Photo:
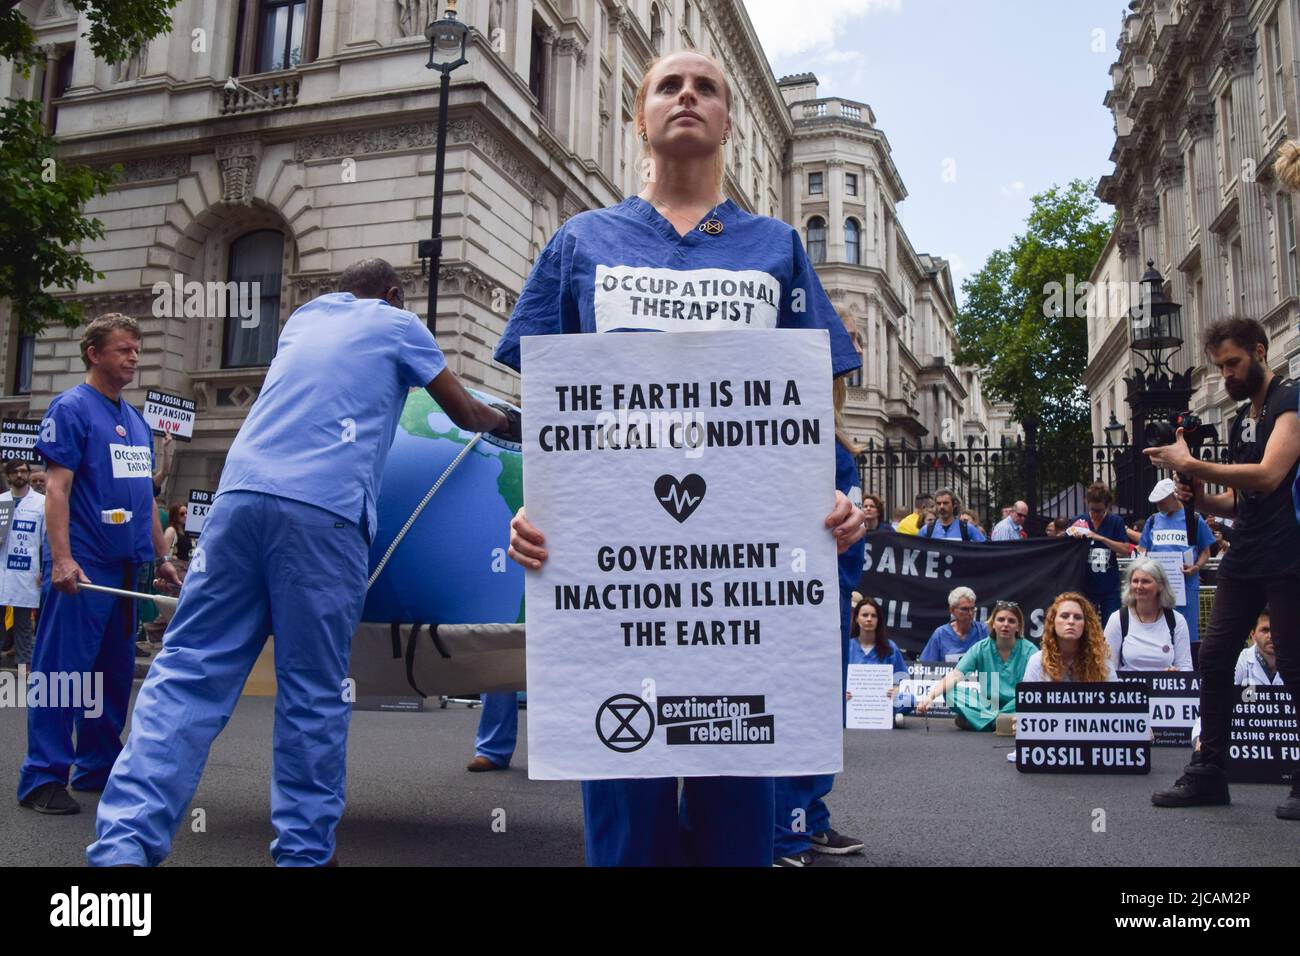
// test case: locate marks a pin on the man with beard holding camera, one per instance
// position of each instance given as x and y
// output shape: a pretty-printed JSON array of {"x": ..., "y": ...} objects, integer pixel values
[{"x": 1263, "y": 567}]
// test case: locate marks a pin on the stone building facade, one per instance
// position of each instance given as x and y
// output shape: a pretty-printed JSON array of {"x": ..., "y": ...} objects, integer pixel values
[
  {"x": 1204, "y": 92},
  {"x": 322, "y": 153}
]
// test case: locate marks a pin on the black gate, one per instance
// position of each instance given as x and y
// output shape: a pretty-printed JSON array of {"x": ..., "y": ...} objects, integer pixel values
[{"x": 1050, "y": 478}]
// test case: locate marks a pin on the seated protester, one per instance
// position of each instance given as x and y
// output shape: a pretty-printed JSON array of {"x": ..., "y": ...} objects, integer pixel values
[
  {"x": 874, "y": 510},
  {"x": 950, "y": 641},
  {"x": 947, "y": 524},
  {"x": 869, "y": 645},
  {"x": 1257, "y": 663},
  {"x": 1146, "y": 633},
  {"x": 1074, "y": 648},
  {"x": 1001, "y": 660}
]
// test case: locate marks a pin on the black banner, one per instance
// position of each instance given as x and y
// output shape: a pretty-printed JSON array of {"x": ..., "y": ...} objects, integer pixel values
[
  {"x": 1262, "y": 745},
  {"x": 911, "y": 577}
]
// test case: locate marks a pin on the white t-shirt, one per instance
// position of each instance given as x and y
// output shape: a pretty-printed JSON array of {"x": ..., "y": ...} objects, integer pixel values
[
  {"x": 20, "y": 561},
  {"x": 1147, "y": 647},
  {"x": 1249, "y": 670},
  {"x": 1034, "y": 673}
]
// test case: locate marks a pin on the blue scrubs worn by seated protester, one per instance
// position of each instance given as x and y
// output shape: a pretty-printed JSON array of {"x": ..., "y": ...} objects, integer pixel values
[
  {"x": 285, "y": 551},
  {"x": 606, "y": 270},
  {"x": 109, "y": 449},
  {"x": 794, "y": 830}
]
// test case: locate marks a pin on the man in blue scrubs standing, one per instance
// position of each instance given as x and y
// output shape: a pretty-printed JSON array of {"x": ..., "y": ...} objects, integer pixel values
[
  {"x": 101, "y": 525},
  {"x": 284, "y": 551}
]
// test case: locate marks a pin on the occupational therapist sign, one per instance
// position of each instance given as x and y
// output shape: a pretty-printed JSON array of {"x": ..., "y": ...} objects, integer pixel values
[{"x": 686, "y": 619}]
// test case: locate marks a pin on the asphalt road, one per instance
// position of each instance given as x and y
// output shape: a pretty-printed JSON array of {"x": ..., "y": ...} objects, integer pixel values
[{"x": 917, "y": 798}]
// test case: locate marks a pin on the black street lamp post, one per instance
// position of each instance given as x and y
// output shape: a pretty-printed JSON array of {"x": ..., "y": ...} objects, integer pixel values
[
  {"x": 447, "y": 38},
  {"x": 1155, "y": 392}
]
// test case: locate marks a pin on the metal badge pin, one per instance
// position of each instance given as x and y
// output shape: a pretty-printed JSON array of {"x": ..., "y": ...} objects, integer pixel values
[{"x": 711, "y": 227}]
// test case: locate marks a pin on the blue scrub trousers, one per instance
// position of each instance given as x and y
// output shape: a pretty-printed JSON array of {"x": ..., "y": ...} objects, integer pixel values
[
  {"x": 264, "y": 565},
  {"x": 498, "y": 728},
  {"x": 86, "y": 637},
  {"x": 808, "y": 794},
  {"x": 717, "y": 821}
]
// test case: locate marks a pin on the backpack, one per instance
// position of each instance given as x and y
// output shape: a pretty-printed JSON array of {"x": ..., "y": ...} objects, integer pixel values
[
  {"x": 1123, "y": 630},
  {"x": 965, "y": 532}
]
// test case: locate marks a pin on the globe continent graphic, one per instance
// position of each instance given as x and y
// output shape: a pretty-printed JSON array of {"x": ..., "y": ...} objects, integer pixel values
[{"x": 451, "y": 567}]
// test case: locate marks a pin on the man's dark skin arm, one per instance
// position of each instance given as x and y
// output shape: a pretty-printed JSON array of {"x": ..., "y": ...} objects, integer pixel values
[{"x": 462, "y": 407}]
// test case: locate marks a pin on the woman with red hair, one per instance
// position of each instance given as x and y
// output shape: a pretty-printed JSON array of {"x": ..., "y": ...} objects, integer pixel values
[{"x": 1074, "y": 647}]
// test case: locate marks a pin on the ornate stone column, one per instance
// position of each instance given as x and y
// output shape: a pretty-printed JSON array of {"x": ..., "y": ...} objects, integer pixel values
[
  {"x": 1238, "y": 59},
  {"x": 1205, "y": 196}
]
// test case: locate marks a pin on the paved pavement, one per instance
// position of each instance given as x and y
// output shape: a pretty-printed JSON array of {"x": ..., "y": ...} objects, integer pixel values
[{"x": 917, "y": 798}]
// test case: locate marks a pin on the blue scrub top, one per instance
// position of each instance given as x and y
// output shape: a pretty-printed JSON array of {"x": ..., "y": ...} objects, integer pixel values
[
  {"x": 858, "y": 656},
  {"x": 109, "y": 449},
  {"x": 944, "y": 641},
  {"x": 952, "y": 532},
  {"x": 625, "y": 268},
  {"x": 1101, "y": 584},
  {"x": 321, "y": 428},
  {"x": 846, "y": 479},
  {"x": 1169, "y": 533}
]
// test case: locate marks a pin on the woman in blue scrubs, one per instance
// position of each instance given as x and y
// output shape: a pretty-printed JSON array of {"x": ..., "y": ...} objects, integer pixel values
[{"x": 679, "y": 222}]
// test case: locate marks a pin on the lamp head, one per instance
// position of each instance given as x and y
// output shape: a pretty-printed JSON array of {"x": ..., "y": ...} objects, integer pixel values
[{"x": 447, "y": 38}]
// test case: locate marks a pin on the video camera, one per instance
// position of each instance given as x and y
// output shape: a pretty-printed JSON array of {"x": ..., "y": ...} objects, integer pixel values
[{"x": 1157, "y": 434}]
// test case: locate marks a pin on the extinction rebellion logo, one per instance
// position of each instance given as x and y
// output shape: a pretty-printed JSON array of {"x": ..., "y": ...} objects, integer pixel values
[{"x": 625, "y": 723}]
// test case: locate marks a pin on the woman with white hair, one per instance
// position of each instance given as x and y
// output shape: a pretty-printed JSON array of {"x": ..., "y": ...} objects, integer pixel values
[
  {"x": 951, "y": 641},
  {"x": 1146, "y": 633}
]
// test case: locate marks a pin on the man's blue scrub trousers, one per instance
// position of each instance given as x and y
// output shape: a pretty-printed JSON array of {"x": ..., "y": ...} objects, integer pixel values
[
  {"x": 266, "y": 565},
  {"x": 89, "y": 637},
  {"x": 498, "y": 727},
  {"x": 718, "y": 821}
]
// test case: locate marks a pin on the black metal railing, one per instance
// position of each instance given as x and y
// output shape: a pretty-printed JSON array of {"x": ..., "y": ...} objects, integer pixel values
[{"x": 1052, "y": 478}]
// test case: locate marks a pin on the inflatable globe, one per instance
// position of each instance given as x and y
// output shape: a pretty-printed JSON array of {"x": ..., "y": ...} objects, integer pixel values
[{"x": 451, "y": 567}]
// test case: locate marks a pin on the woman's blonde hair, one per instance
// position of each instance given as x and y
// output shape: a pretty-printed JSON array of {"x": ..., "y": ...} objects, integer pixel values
[
  {"x": 720, "y": 160},
  {"x": 1092, "y": 661},
  {"x": 1287, "y": 165},
  {"x": 839, "y": 394}
]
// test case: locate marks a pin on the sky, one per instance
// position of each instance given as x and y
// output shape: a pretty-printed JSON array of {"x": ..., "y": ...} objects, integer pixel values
[{"x": 984, "y": 102}]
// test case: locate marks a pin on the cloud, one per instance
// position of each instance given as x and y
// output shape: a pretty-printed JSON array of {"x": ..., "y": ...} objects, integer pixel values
[
  {"x": 1016, "y": 188},
  {"x": 783, "y": 34}
]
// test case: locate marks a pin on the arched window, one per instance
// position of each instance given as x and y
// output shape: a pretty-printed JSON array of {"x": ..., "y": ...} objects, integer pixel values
[
  {"x": 254, "y": 276},
  {"x": 852, "y": 241},
  {"x": 656, "y": 28},
  {"x": 817, "y": 240}
]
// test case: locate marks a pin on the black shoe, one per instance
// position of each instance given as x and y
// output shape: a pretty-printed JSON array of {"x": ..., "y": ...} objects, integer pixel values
[
  {"x": 962, "y": 723},
  {"x": 799, "y": 859},
  {"x": 1201, "y": 785},
  {"x": 51, "y": 798},
  {"x": 1289, "y": 809},
  {"x": 830, "y": 841}
]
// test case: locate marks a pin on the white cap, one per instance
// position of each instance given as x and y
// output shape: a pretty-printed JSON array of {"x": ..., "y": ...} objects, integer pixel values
[{"x": 1163, "y": 489}]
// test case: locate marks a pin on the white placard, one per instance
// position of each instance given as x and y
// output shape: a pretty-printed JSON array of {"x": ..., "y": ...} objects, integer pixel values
[
  {"x": 1172, "y": 562},
  {"x": 196, "y": 512},
  {"x": 170, "y": 414},
  {"x": 686, "y": 621},
  {"x": 869, "y": 707},
  {"x": 131, "y": 461}
]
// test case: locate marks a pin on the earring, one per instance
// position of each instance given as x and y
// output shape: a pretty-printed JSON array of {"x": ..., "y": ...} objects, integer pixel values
[
  {"x": 644, "y": 137},
  {"x": 724, "y": 140}
]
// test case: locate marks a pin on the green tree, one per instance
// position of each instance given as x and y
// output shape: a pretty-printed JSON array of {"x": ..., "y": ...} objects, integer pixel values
[
  {"x": 1032, "y": 354},
  {"x": 41, "y": 199}
]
